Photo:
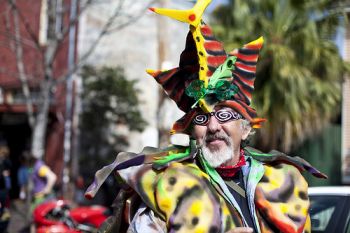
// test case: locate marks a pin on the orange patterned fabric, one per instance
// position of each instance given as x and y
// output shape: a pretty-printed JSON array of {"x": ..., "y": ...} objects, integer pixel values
[{"x": 281, "y": 199}]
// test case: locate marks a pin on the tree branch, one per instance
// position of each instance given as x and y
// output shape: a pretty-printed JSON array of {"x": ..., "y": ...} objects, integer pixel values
[
  {"x": 105, "y": 30},
  {"x": 26, "y": 24},
  {"x": 24, "y": 41},
  {"x": 56, "y": 41},
  {"x": 20, "y": 67},
  {"x": 73, "y": 21},
  {"x": 132, "y": 18}
]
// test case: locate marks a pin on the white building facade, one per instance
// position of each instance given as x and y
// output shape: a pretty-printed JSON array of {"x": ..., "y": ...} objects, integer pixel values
[{"x": 135, "y": 48}]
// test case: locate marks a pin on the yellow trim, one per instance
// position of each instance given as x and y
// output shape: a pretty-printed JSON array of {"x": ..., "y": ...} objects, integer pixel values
[
  {"x": 204, "y": 106},
  {"x": 151, "y": 72},
  {"x": 202, "y": 59}
]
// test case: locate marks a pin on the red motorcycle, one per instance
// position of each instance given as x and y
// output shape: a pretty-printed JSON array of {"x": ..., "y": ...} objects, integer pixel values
[{"x": 57, "y": 216}]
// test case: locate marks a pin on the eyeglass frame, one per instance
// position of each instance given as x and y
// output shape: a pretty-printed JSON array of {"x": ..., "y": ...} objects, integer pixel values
[{"x": 234, "y": 117}]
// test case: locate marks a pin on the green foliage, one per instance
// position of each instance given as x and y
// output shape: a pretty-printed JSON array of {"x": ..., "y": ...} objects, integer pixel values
[
  {"x": 324, "y": 152},
  {"x": 109, "y": 101},
  {"x": 298, "y": 85}
]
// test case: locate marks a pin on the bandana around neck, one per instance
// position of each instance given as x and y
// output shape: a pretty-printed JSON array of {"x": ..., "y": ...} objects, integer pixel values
[{"x": 227, "y": 172}]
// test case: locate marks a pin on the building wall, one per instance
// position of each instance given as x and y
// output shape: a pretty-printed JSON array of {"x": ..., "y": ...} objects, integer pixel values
[
  {"x": 32, "y": 17},
  {"x": 136, "y": 48},
  {"x": 8, "y": 70}
]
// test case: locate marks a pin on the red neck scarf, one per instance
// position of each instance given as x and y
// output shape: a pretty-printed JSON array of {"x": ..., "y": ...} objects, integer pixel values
[{"x": 230, "y": 171}]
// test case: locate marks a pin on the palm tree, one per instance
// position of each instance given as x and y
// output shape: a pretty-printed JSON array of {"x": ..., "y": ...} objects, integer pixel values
[{"x": 298, "y": 85}]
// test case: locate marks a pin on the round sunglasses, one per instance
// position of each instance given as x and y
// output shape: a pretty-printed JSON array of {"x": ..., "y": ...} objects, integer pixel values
[{"x": 222, "y": 116}]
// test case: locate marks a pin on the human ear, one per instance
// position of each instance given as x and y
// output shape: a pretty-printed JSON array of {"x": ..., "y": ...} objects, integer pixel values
[
  {"x": 194, "y": 133},
  {"x": 246, "y": 130}
]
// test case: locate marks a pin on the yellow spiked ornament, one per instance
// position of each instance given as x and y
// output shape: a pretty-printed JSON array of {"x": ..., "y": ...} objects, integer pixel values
[
  {"x": 192, "y": 16},
  {"x": 260, "y": 40}
]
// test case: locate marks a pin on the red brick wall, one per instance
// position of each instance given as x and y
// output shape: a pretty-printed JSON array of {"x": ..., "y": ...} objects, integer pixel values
[
  {"x": 29, "y": 18},
  {"x": 33, "y": 63}
]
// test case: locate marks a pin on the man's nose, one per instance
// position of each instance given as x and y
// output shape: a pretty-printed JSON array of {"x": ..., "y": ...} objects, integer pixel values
[{"x": 213, "y": 125}]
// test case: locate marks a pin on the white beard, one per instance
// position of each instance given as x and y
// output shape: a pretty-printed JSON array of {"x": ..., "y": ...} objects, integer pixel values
[{"x": 218, "y": 157}]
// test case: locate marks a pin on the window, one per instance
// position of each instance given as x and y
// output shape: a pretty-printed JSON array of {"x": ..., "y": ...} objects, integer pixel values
[
  {"x": 348, "y": 225},
  {"x": 324, "y": 213},
  {"x": 320, "y": 220}
]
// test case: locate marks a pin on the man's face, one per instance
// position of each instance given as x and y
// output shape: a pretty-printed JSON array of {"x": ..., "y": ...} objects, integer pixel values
[{"x": 220, "y": 136}]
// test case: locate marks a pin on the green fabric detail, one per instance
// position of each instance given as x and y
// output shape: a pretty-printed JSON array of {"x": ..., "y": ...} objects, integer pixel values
[
  {"x": 255, "y": 174},
  {"x": 196, "y": 89},
  {"x": 210, "y": 170},
  {"x": 159, "y": 186},
  {"x": 255, "y": 152},
  {"x": 193, "y": 144},
  {"x": 171, "y": 157},
  {"x": 218, "y": 84}
]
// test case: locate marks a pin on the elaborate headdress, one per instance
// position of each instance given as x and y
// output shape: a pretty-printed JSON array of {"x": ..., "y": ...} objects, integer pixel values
[{"x": 206, "y": 74}]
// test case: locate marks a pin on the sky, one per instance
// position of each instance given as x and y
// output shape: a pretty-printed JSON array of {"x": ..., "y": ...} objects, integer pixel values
[{"x": 214, "y": 3}]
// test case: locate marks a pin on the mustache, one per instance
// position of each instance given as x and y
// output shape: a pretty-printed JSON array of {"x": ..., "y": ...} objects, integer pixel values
[{"x": 217, "y": 136}]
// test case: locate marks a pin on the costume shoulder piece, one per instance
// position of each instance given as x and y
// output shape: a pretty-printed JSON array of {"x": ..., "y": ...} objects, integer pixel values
[
  {"x": 281, "y": 194},
  {"x": 127, "y": 161},
  {"x": 277, "y": 157},
  {"x": 282, "y": 201}
]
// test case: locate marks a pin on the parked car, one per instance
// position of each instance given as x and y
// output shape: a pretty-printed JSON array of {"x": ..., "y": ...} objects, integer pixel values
[{"x": 330, "y": 209}]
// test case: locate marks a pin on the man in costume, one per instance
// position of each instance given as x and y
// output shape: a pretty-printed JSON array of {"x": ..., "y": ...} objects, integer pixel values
[{"x": 216, "y": 184}]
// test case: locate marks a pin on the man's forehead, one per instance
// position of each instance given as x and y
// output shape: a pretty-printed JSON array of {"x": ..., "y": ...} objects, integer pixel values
[{"x": 219, "y": 107}]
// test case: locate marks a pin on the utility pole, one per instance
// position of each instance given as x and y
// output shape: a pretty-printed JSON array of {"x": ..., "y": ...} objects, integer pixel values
[
  {"x": 346, "y": 132},
  {"x": 162, "y": 38},
  {"x": 345, "y": 152},
  {"x": 67, "y": 143}
]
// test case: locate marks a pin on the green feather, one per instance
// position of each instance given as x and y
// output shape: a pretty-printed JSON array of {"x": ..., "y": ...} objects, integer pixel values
[
  {"x": 223, "y": 71},
  {"x": 161, "y": 161}
]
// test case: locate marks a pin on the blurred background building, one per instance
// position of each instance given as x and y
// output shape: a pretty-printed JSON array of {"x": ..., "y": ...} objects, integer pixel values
[
  {"x": 151, "y": 42},
  {"x": 23, "y": 36}
]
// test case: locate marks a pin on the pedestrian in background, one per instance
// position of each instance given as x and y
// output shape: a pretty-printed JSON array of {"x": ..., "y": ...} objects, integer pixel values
[
  {"x": 23, "y": 177},
  {"x": 42, "y": 178},
  {"x": 5, "y": 185}
]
